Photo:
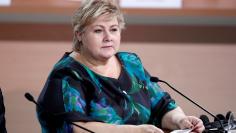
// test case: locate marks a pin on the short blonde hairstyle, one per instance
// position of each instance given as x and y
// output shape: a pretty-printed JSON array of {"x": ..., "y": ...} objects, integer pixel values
[{"x": 89, "y": 11}]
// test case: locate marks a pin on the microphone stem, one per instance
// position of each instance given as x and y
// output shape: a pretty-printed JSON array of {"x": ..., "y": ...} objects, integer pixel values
[
  {"x": 81, "y": 127},
  {"x": 187, "y": 98},
  {"x": 192, "y": 102}
]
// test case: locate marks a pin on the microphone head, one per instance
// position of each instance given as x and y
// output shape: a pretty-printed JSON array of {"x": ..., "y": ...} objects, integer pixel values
[
  {"x": 204, "y": 119},
  {"x": 229, "y": 115},
  {"x": 154, "y": 79},
  {"x": 219, "y": 117},
  {"x": 29, "y": 97}
]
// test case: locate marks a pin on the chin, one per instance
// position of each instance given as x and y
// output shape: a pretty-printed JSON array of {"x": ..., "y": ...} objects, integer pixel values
[
  {"x": 110, "y": 52},
  {"x": 108, "y": 55}
]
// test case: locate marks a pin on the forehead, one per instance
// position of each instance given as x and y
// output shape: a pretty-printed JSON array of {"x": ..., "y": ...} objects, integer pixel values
[{"x": 105, "y": 20}]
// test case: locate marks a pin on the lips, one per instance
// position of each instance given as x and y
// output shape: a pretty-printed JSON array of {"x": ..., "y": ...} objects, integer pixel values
[{"x": 107, "y": 46}]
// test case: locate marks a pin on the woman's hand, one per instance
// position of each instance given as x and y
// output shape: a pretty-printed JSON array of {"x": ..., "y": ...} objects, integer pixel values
[
  {"x": 176, "y": 119},
  {"x": 148, "y": 129},
  {"x": 193, "y": 123}
]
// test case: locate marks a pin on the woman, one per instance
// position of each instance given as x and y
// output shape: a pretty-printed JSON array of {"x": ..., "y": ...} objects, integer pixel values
[{"x": 104, "y": 90}]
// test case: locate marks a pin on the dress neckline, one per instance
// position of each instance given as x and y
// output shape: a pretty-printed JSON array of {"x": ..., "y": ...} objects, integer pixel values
[{"x": 95, "y": 73}]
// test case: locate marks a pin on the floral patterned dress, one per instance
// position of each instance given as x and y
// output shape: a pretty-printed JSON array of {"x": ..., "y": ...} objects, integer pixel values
[{"x": 73, "y": 92}]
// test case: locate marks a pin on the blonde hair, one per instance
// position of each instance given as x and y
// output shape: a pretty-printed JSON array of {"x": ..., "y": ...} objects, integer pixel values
[{"x": 89, "y": 11}]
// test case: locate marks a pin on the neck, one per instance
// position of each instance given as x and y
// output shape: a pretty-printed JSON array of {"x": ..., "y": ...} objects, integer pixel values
[{"x": 109, "y": 68}]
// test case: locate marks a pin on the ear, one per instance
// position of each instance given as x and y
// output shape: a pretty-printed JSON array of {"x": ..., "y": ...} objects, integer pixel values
[{"x": 79, "y": 35}]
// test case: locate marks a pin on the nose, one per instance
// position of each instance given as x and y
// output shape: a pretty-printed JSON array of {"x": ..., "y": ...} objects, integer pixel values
[{"x": 107, "y": 36}]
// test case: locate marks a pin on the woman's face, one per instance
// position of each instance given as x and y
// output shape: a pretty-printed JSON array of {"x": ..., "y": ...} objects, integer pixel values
[{"x": 101, "y": 39}]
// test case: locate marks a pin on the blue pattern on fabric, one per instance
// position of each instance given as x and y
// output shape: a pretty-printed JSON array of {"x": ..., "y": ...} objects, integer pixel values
[{"x": 131, "y": 99}]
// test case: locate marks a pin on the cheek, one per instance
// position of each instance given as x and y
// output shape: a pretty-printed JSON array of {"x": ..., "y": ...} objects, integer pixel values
[
  {"x": 90, "y": 40},
  {"x": 118, "y": 39},
  {"x": 94, "y": 38},
  {"x": 93, "y": 45}
]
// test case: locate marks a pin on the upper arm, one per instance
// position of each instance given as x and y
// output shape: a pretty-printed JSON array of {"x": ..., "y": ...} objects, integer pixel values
[
  {"x": 63, "y": 96},
  {"x": 161, "y": 101}
]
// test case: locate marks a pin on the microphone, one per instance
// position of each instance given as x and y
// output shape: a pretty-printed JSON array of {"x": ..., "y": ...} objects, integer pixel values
[
  {"x": 156, "y": 79},
  {"x": 29, "y": 97}
]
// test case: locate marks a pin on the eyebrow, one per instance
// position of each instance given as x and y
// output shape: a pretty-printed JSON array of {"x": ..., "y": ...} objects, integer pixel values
[{"x": 104, "y": 26}]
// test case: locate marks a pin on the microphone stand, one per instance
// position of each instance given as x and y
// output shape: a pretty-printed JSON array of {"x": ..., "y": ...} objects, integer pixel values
[{"x": 155, "y": 79}]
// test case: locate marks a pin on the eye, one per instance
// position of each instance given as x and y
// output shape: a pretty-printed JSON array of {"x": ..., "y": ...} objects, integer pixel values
[
  {"x": 114, "y": 29},
  {"x": 97, "y": 30}
]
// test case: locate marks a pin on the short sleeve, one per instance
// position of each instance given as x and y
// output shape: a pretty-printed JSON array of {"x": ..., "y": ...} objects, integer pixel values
[
  {"x": 161, "y": 101},
  {"x": 76, "y": 97},
  {"x": 50, "y": 103},
  {"x": 62, "y": 101}
]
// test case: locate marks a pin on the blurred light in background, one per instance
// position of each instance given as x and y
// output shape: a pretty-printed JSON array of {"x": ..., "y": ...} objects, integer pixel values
[
  {"x": 5, "y": 2},
  {"x": 151, "y": 3}
]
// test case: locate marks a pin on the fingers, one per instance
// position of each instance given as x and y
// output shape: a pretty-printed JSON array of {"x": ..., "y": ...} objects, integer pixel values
[
  {"x": 186, "y": 123},
  {"x": 194, "y": 123},
  {"x": 199, "y": 127},
  {"x": 198, "y": 124}
]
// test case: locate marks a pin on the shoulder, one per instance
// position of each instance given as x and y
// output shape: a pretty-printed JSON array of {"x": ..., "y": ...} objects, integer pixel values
[
  {"x": 127, "y": 55},
  {"x": 62, "y": 76},
  {"x": 132, "y": 63},
  {"x": 129, "y": 58},
  {"x": 66, "y": 67}
]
